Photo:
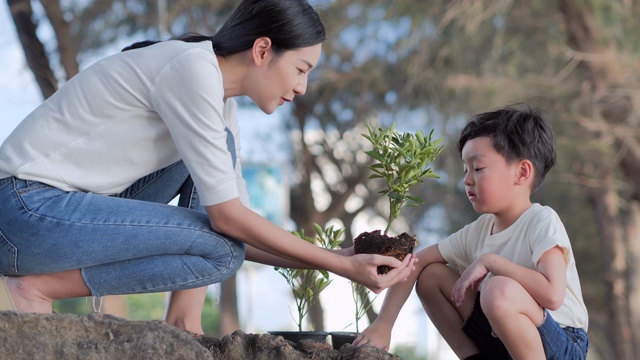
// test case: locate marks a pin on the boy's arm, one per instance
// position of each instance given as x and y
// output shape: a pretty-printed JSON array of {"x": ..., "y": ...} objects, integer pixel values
[
  {"x": 547, "y": 284},
  {"x": 378, "y": 334}
]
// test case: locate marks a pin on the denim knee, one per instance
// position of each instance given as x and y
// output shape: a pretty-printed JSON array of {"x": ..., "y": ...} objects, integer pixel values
[{"x": 238, "y": 253}]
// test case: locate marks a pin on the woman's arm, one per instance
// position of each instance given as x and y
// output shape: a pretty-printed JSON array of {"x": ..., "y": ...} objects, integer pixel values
[
  {"x": 263, "y": 257},
  {"x": 547, "y": 284},
  {"x": 235, "y": 220},
  {"x": 378, "y": 334}
]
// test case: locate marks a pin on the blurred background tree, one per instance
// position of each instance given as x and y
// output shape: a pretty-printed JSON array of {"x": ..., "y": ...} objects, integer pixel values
[{"x": 432, "y": 65}]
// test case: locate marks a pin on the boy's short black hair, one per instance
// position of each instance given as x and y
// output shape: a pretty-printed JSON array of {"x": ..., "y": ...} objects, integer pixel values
[{"x": 517, "y": 132}]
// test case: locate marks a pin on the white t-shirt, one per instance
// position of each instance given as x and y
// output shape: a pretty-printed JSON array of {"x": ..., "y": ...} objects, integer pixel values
[
  {"x": 537, "y": 230},
  {"x": 129, "y": 115}
]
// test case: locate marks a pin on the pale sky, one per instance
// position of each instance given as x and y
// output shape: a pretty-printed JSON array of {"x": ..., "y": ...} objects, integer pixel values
[{"x": 19, "y": 94}]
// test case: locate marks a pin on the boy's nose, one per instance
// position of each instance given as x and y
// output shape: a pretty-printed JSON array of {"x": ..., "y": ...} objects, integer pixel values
[{"x": 467, "y": 179}]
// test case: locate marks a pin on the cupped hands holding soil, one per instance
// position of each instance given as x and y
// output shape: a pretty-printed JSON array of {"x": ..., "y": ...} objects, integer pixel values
[{"x": 375, "y": 242}]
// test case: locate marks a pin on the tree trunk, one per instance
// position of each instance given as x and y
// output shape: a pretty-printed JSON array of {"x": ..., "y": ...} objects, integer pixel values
[
  {"x": 605, "y": 202},
  {"x": 633, "y": 259},
  {"x": 66, "y": 49},
  {"x": 616, "y": 206},
  {"x": 229, "y": 321},
  {"x": 34, "y": 52}
]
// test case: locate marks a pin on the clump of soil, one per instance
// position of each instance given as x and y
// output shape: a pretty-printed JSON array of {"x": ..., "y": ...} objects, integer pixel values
[{"x": 375, "y": 242}]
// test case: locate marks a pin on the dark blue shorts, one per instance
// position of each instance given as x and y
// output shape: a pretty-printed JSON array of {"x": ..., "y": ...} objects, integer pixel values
[{"x": 558, "y": 342}]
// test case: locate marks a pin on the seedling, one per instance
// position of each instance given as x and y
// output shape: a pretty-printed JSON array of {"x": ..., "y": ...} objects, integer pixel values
[
  {"x": 402, "y": 160},
  {"x": 307, "y": 284}
]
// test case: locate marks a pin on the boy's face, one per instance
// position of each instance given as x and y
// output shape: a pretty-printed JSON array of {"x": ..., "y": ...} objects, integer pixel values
[{"x": 489, "y": 179}]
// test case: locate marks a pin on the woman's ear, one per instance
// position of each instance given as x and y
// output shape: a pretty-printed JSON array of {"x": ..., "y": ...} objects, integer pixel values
[{"x": 261, "y": 50}]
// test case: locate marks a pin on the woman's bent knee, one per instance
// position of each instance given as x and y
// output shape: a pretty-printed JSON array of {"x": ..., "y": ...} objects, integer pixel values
[
  {"x": 238, "y": 250},
  {"x": 228, "y": 262}
]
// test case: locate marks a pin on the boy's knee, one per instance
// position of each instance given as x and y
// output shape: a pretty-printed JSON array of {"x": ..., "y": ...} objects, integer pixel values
[
  {"x": 431, "y": 278},
  {"x": 496, "y": 293}
]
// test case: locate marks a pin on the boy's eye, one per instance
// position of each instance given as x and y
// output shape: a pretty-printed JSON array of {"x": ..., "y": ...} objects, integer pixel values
[
  {"x": 301, "y": 72},
  {"x": 478, "y": 169}
]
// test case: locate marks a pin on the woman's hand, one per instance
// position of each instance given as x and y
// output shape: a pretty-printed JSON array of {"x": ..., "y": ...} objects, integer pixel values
[
  {"x": 471, "y": 278},
  {"x": 350, "y": 251},
  {"x": 376, "y": 335},
  {"x": 277, "y": 246},
  {"x": 365, "y": 270}
]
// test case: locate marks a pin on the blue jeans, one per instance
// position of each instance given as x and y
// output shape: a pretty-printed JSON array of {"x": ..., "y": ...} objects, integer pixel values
[{"x": 124, "y": 244}]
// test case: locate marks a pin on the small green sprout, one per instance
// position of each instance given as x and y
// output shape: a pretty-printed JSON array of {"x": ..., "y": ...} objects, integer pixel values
[{"x": 307, "y": 284}]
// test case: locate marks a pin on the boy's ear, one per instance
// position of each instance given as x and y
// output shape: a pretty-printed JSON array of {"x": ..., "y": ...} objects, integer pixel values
[
  {"x": 525, "y": 172},
  {"x": 261, "y": 50}
]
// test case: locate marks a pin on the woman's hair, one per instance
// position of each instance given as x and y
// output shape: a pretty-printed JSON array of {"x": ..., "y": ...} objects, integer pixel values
[{"x": 290, "y": 24}]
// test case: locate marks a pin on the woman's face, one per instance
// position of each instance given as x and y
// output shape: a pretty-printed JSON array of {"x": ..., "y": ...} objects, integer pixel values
[{"x": 283, "y": 76}]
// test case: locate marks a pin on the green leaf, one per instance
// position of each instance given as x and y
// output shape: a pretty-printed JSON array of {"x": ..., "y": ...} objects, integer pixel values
[
  {"x": 416, "y": 199},
  {"x": 318, "y": 229},
  {"x": 375, "y": 155},
  {"x": 400, "y": 159}
]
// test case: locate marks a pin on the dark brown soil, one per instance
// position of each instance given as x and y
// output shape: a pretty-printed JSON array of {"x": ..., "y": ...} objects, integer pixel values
[{"x": 375, "y": 242}]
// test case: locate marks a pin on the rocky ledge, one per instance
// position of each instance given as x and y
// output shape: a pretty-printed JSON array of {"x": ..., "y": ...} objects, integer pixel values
[{"x": 99, "y": 337}]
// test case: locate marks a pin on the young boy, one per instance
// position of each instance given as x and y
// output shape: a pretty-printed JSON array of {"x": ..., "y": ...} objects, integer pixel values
[{"x": 515, "y": 293}]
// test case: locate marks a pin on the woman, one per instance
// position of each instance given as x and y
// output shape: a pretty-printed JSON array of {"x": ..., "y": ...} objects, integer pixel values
[{"x": 85, "y": 178}]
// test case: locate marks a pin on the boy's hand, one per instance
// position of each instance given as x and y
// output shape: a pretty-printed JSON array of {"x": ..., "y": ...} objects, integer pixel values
[
  {"x": 375, "y": 335},
  {"x": 471, "y": 278}
]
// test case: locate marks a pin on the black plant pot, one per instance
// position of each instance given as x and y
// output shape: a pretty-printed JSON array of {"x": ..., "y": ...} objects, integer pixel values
[
  {"x": 339, "y": 338},
  {"x": 297, "y": 336}
]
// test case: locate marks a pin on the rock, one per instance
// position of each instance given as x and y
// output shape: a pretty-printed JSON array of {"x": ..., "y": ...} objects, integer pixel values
[
  {"x": 93, "y": 337},
  {"x": 96, "y": 336},
  {"x": 241, "y": 346}
]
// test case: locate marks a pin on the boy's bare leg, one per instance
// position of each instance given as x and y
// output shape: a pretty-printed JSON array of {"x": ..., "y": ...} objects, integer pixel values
[
  {"x": 434, "y": 287},
  {"x": 185, "y": 309},
  {"x": 513, "y": 315},
  {"x": 35, "y": 293}
]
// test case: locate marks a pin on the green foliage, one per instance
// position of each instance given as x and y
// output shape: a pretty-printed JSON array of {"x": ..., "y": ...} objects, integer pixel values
[
  {"x": 329, "y": 238},
  {"x": 146, "y": 306},
  {"x": 307, "y": 284},
  {"x": 140, "y": 307},
  {"x": 78, "y": 306},
  {"x": 402, "y": 160},
  {"x": 210, "y": 316}
]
